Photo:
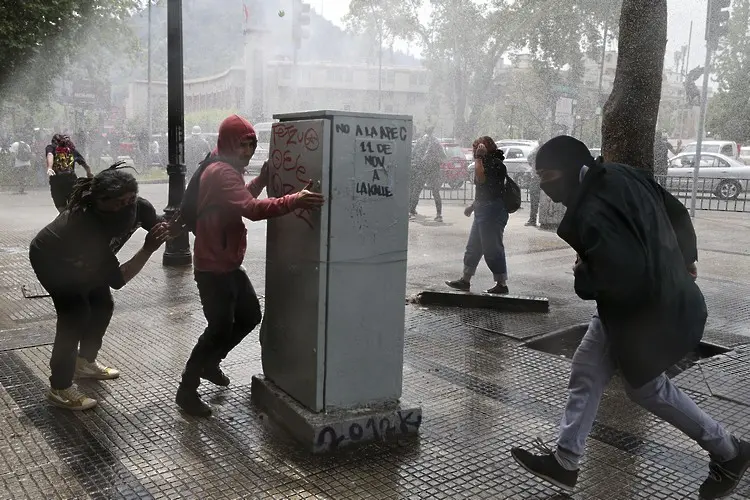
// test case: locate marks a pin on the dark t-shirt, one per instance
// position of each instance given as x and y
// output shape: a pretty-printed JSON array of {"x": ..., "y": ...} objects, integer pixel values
[
  {"x": 74, "y": 250},
  {"x": 64, "y": 159}
]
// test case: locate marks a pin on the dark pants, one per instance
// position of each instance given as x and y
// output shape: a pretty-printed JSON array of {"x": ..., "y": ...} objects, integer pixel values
[
  {"x": 232, "y": 311},
  {"x": 417, "y": 183},
  {"x": 83, "y": 315},
  {"x": 61, "y": 187},
  {"x": 534, "y": 196},
  {"x": 486, "y": 239}
]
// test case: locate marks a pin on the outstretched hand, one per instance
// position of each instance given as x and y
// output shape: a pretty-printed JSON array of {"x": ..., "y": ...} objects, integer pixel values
[
  {"x": 156, "y": 237},
  {"x": 309, "y": 199}
]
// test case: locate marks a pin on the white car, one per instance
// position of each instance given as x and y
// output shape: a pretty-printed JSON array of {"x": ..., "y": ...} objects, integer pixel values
[
  {"x": 718, "y": 174},
  {"x": 745, "y": 155}
]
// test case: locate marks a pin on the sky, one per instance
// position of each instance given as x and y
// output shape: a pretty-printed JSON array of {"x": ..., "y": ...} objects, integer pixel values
[{"x": 680, "y": 12}]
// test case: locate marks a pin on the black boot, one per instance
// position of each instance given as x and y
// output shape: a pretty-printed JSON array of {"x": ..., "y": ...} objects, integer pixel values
[
  {"x": 216, "y": 376},
  {"x": 459, "y": 284},
  {"x": 723, "y": 477},
  {"x": 191, "y": 403}
]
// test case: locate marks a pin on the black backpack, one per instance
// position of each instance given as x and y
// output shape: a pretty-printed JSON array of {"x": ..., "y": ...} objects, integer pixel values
[
  {"x": 511, "y": 195},
  {"x": 189, "y": 206}
]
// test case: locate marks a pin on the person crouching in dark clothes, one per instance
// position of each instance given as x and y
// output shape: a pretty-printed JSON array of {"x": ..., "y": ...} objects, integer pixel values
[
  {"x": 490, "y": 218},
  {"x": 229, "y": 302},
  {"x": 62, "y": 156},
  {"x": 636, "y": 251},
  {"x": 74, "y": 260}
]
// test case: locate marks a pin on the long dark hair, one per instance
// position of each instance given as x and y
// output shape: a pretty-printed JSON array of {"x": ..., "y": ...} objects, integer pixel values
[{"x": 109, "y": 183}]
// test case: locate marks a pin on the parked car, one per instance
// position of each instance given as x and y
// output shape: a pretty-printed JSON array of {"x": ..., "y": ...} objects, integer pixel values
[
  {"x": 718, "y": 174},
  {"x": 454, "y": 168},
  {"x": 745, "y": 155},
  {"x": 726, "y": 148}
]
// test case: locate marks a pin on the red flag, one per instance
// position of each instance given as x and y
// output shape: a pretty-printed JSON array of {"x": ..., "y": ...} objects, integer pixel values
[{"x": 247, "y": 12}]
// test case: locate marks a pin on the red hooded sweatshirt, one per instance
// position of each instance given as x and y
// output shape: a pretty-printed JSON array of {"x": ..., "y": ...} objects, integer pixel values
[{"x": 224, "y": 199}]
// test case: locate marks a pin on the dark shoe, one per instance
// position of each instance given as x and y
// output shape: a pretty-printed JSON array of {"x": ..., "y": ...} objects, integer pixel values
[
  {"x": 216, "y": 376},
  {"x": 438, "y": 218},
  {"x": 191, "y": 403},
  {"x": 499, "y": 290},
  {"x": 723, "y": 477},
  {"x": 459, "y": 284},
  {"x": 546, "y": 467},
  {"x": 530, "y": 223}
]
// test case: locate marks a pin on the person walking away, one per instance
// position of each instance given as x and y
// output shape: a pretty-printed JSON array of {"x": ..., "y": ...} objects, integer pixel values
[
  {"x": 430, "y": 155},
  {"x": 417, "y": 177},
  {"x": 74, "y": 260},
  {"x": 61, "y": 157},
  {"x": 490, "y": 218},
  {"x": 196, "y": 150},
  {"x": 637, "y": 251},
  {"x": 535, "y": 191},
  {"x": 21, "y": 153},
  {"x": 229, "y": 302}
]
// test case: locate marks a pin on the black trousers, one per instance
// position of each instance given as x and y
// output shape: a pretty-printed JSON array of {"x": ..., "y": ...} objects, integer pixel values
[
  {"x": 61, "y": 187},
  {"x": 232, "y": 311},
  {"x": 83, "y": 315},
  {"x": 417, "y": 183},
  {"x": 535, "y": 192}
]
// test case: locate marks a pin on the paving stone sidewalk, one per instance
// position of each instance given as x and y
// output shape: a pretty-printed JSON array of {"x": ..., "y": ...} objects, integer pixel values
[{"x": 481, "y": 388}]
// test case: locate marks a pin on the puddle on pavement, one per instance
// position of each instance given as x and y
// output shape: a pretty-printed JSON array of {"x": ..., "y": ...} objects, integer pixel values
[{"x": 565, "y": 342}]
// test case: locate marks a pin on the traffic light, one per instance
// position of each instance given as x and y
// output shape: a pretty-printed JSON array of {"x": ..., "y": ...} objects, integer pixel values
[
  {"x": 301, "y": 25},
  {"x": 717, "y": 24}
]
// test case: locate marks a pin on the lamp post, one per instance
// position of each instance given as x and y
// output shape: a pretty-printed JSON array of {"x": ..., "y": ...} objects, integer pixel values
[{"x": 177, "y": 252}]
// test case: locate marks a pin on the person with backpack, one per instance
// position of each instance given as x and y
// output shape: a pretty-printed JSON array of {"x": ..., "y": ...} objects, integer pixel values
[
  {"x": 637, "y": 253},
  {"x": 61, "y": 157},
  {"x": 214, "y": 205},
  {"x": 496, "y": 196},
  {"x": 74, "y": 260},
  {"x": 21, "y": 153}
]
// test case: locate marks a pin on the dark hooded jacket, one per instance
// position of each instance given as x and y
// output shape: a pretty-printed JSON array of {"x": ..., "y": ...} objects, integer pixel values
[{"x": 635, "y": 241}]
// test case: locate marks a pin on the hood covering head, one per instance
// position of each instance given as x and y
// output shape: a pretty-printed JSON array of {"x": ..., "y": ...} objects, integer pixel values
[
  {"x": 566, "y": 155},
  {"x": 232, "y": 132}
]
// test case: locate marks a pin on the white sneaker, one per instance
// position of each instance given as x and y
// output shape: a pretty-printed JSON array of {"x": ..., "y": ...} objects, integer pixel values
[
  {"x": 70, "y": 399},
  {"x": 95, "y": 370}
]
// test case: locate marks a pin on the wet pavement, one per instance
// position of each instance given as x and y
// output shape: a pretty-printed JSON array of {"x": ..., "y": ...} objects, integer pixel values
[{"x": 482, "y": 390}]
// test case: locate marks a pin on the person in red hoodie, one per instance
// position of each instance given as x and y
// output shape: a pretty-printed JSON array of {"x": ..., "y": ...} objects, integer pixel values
[{"x": 228, "y": 298}]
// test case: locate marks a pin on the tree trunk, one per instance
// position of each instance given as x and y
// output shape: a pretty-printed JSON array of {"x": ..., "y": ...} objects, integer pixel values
[{"x": 630, "y": 114}]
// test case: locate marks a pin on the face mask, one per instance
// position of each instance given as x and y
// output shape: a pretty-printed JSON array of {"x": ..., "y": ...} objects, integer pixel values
[
  {"x": 118, "y": 223},
  {"x": 555, "y": 190}
]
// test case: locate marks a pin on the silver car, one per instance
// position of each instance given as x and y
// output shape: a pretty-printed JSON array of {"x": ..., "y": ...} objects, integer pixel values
[{"x": 718, "y": 174}]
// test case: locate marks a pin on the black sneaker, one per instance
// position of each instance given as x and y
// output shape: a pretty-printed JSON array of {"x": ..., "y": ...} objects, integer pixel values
[
  {"x": 546, "y": 467},
  {"x": 530, "y": 223},
  {"x": 459, "y": 284},
  {"x": 723, "y": 477},
  {"x": 499, "y": 290},
  {"x": 191, "y": 403},
  {"x": 438, "y": 218},
  {"x": 216, "y": 376}
]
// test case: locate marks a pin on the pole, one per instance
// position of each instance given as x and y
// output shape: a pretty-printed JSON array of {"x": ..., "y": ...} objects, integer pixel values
[
  {"x": 690, "y": 41},
  {"x": 512, "y": 112},
  {"x": 148, "y": 93},
  {"x": 177, "y": 252},
  {"x": 701, "y": 129},
  {"x": 601, "y": 76},
  {"x": 380, "y": 66}
]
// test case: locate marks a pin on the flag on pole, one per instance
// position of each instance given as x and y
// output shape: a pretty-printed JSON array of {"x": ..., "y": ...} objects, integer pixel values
[{"x": 246, "y": 12}]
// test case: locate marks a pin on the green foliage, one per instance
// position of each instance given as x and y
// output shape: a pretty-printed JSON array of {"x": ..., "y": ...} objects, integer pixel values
[
  {"x": 42, "y": 38},
  {"x": 729, "y": 110}
]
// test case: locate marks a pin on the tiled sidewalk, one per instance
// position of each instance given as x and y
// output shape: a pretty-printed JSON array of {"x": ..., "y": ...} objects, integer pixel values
[{"x": 481, "y": 389}]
